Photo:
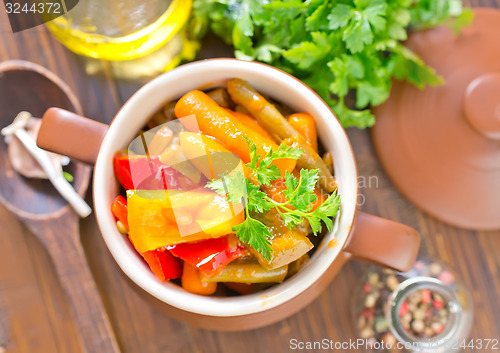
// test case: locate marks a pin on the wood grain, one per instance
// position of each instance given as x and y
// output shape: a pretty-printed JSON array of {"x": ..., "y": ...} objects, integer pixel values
[
  {"x": 61, "y": 238},
  {"x": 34, "y": 312}
]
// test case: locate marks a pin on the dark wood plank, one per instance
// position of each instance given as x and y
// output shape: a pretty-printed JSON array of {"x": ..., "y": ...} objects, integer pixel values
[
  {"x": 27, "y": 323},
  {"x": 61, "y": 238}
]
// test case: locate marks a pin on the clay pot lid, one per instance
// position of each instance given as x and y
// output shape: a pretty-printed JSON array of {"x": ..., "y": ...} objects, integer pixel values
[{"x": 441, "y": 145}]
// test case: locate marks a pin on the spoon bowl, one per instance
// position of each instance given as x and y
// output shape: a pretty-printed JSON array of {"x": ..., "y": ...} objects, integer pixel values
[{"x": 27, "y": 86}]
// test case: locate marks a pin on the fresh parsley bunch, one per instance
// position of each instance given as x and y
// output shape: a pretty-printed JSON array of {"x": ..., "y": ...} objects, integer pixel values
[
  {"x": 299, "y": 194},
  {"x": 346, "y": 50}
]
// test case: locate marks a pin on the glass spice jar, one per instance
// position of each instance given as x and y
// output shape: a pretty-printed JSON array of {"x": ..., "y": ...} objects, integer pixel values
[{"x": 424, "y": 310}]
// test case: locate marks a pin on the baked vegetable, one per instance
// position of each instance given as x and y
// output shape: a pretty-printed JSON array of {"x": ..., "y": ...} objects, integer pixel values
[
  {"x": 217, "y": 196},
  {"x": 193, "y": 283},
  {"x": 272, "y": 120},
  {"x": 157, "y": 219},
  {"x": 215, "y": 121},
  {"x": 248, "y": 271},
  {"x": 251, "y": 123},
  {"x": 306, "y": 126},
  {"x": 163, "y": 264}
]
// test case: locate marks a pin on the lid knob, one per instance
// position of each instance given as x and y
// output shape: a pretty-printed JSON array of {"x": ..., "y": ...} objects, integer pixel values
[{"x": 482, "y": 105}]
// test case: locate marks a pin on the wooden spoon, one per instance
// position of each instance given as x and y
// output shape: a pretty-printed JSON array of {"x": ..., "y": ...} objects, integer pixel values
[{"x": 30, "y": 87}]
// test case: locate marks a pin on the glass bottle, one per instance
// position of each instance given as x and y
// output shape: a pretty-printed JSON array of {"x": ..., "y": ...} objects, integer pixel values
[{"x": 129, "y": 34}]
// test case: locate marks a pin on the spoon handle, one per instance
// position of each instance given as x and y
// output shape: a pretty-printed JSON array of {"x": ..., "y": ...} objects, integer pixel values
[
  {"x": 55, "y": 176},
  {"x": 62, "y": 240}
]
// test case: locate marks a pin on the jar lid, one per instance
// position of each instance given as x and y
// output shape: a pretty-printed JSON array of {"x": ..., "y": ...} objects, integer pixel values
[
  {"x": 441, "y": 145},
  {"x": 426, "y": 309},
  {"x": 454, "y": 327}
]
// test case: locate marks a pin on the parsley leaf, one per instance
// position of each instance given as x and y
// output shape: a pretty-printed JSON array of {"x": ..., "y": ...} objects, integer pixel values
[
  {"x": 255, "y": 234},
  {"x": 328, "y": 209},
  {"x": 265, "y": 171},
  {"x": 285, "y": 151},
  {"x": 463, "y": 20},
  {"x": 299, "y": 195},
  {"x": 254, "y": 157},
  {"x": 234, "y": 185},
  {"x": 404, "y": 64},
  {"x": 340, "y": 16},
  {"x": 256, "y": 199},
  {"x": 358, "y": 33},
  {"x": 369, "y": 94},
  {"x": 319, "y": 11},
  {"x": 375, "y": 14}
]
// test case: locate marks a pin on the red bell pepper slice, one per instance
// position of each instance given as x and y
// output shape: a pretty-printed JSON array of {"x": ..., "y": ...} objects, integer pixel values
[
  {"x": 163, "y": 264},
  {"x": 209, "y": 255},
  {"x": 149, "y": 173},
  {"x": 119, "y": 210},
  {"x": 142, "y": 172}
]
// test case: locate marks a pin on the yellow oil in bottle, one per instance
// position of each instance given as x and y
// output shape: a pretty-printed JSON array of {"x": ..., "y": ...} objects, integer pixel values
[
  {"x": 120, "y": 30},
  {"x": 167, "y": 57}
]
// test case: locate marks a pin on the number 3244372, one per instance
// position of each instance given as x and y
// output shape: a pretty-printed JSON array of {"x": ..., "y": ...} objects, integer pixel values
[{"x": 40, "y": 7}]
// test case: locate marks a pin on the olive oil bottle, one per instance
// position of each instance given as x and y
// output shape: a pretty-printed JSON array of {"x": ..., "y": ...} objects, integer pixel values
[{"x": 134, "y": 36}]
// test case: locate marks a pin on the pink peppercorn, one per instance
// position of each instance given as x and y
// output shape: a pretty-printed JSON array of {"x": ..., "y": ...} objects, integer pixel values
[
  {"x": 438, "y": 328},
  {"x": 437, "y": 304},
  {"x": 446, "y": 277},
  {"x": 403, "y": 309},
  {"x": 367, "y": 313},
  {"x": 426, "y": 296}
]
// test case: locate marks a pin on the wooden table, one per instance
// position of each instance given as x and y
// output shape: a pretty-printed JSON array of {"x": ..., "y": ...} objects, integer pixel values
[{"x": 34, "y": 316}]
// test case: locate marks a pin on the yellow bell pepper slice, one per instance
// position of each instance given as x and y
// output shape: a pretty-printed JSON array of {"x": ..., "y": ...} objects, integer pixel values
[
  {"x": 159, "y": 218},
  {"x": 209, "y": 155}
]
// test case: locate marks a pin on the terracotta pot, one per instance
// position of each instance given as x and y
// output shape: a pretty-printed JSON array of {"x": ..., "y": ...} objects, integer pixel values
[{"x": 357, "y": 235}]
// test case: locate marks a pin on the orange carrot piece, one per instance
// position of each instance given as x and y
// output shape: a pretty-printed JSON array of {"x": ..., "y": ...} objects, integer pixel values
[
  {"x": 285, "y": 165},
  {"x": 192, "y": 282},
  {"x": 304, "y": 123},
  {"x": 251, "y": 123},
  {"x": 320, "y": 198},
  {"x": 215, "y": 121}
]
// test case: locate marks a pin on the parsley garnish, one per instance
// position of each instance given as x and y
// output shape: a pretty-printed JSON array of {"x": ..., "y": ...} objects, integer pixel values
[
  {"x": 299, "y": 193},
  {"x": 348, "y": 48}
]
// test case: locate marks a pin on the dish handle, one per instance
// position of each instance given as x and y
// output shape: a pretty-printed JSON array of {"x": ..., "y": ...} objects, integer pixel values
[
  {"x": 71, "y": 135},
  {"x": 383, "y": 242}
]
